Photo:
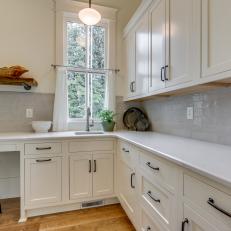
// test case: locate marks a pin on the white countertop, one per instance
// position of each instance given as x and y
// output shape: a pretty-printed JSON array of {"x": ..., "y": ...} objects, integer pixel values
[{"x": 209, "y": 159}]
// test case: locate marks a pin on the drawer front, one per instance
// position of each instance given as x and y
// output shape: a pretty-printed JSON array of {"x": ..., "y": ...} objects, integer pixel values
[
  {"x": 90, "y": 145},
  {"x": 147, "y": 224},
  {"x": 159, "y": 170},
  {"x": 43, "y": 148},
  {"x": 128, "y": 154},
  {"x": 209, "y": 199},
  {"x": 157, "y": 200}
]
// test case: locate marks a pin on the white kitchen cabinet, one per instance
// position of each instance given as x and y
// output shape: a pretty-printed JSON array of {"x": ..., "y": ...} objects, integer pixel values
[
  {"x": 142, "y": 55},
  {"x": 103, "y": 180},
  {"x": 137, "y": 58},
  {"x": 129, "y": 44},
  {"x": 43, "y": 181},
  {"x": 193, "y": 221},
  {"x": 80, "y": 176},
  {"x": 157, "y": 17},
  {"x": 91, "y": 175},
  {"x": 216, "y": 37},
  {"x": 127, "y": 193},
  {"x": 182, "y": 50}
]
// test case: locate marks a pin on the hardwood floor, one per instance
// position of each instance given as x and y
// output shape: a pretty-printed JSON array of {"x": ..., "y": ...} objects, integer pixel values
[{"x": 106, "y": 218}]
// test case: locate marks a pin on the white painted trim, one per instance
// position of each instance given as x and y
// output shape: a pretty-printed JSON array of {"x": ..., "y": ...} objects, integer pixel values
[{"x": 136, "y": 16}]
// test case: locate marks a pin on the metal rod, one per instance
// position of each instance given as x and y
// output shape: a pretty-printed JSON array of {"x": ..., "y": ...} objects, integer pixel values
[
  {"x": 88, "y": 70},
  {"x": 89, "y": 3}
]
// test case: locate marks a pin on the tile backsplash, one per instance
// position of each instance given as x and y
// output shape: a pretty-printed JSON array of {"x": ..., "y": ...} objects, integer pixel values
[
  {"x": 212, "y": 115},
  {"x": 13, "y": 107}
]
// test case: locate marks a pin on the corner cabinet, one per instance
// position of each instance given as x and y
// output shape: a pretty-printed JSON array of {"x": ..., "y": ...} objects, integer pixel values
[
  {"x": 187, "y": 45},
  {"x": 137, "y": 58}
]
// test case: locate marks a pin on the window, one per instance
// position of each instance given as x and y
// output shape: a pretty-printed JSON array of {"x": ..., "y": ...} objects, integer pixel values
[{"x": 86, "y": 48}]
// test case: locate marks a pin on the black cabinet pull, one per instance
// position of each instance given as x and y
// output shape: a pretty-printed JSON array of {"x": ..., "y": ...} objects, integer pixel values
[
  {"x": 89, "y": 166},
  {"x": 46, "y": 148},
  {"x": 183, "y": 223},
  {"x": 132, "y": 86},
  {"x": 212, "y": 203},
  {"x": 94, "y": 165},
  {"x": 148, "y": 228},
  {"x": 125, "y": 150},
  {"x": 149, "y": 193},
  {"x": 132, "y": 176},
  {"x": 40, "y": 161},
  {"x": 153, "y": 168},
  {"x": 165, "y": 70},
  {"x": 161, "y": 74}
]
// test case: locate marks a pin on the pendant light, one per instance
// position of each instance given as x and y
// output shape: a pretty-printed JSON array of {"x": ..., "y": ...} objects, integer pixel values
[{"x": 89, "y": 16}]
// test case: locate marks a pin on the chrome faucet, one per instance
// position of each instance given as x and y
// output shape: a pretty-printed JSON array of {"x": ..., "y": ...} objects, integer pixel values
[{"x": 88, "y": 125}]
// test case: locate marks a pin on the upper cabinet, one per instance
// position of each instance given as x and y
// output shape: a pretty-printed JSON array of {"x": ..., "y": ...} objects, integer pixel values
[
  {"x": 216, "y": 37},
  {"x": 176, "y": 44},
  {"x": 157, "y": 18},
  {"x": 137, "y": 58},
  {"x": 180, "y": 45}
]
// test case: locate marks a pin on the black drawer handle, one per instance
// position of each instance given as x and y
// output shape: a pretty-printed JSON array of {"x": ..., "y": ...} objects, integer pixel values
[
  {"x": 40, "y": 149},
  {"x": 212, "y": 203},
  {"x": 149, "y": 193},
  {"x": 125, "y": 150},
  {"x": 153, "y": 168},
  {"x": 148, "y": 228},
  {"x": 132, "y": 176},
  {"x": 40, "y": 161},
  {"x": 183, "y": 223}
]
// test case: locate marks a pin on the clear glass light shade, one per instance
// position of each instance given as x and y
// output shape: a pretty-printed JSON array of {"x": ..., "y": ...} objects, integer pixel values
[{"x": 89, "y": 16}]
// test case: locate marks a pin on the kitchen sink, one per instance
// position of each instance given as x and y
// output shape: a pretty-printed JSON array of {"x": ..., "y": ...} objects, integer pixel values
[{"x": 88, "y": 133}]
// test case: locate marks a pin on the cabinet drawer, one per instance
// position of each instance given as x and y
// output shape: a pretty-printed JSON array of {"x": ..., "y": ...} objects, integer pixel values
[
  {"x": 43, "y": 148},
  {"x": 90, "y": 145},
  {"x": 128, "y": 154},
  {"x": 159, "y": 170},
  {"x": 157, "y": 200},
  {"x": 207, "y": 198},
  {"x": 147, "y": 224}
]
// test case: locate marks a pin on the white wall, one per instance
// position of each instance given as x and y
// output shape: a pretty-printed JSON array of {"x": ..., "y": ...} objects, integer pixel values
[{"x": 28, "y": 38}]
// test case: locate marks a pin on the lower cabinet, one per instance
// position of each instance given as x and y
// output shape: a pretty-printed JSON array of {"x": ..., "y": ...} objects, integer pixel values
[
  {"x": 127, "y": 193},
  {"x": 43, "y": 181},
  {"x": 193, "y": 221},
  {"x": 91, "y": 175},
  {"x": 80, "y": 176}
]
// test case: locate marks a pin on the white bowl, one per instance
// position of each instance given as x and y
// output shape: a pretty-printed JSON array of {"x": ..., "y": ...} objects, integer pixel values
[{"x": 41, "y": 126}]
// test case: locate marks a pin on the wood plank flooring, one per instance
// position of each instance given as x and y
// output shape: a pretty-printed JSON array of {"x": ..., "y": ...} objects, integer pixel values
[{"x": 106, "y": 218}]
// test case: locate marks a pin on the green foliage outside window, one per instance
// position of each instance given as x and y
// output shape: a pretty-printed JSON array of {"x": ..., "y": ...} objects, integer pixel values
[{"x": 86, "y": 48}]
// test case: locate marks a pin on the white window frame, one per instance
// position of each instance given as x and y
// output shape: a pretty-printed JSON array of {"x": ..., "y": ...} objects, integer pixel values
[
  {"x": 68, "y": 11},
  {"x": 73, "y": 19}
]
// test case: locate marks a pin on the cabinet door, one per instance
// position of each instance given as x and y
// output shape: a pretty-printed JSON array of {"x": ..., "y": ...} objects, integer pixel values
[
  {"x": 157, "y": 45},
  {"x": 195, "y": 221},
  {"x": 216, "y": 37},
  {"x": 130, "y": 64},
  {"x": 103, "y": 171},
  {"x": 126, "y": 188},
  {"x": 142, "y": 56},
  {"x": 80, "y": 176},
  {"x": 43, "y": 180},
  {"x": 181, "y": 47}
]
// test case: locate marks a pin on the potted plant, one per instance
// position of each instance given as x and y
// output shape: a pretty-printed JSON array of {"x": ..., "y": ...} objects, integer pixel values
[{"x": 107, "y": 120}]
